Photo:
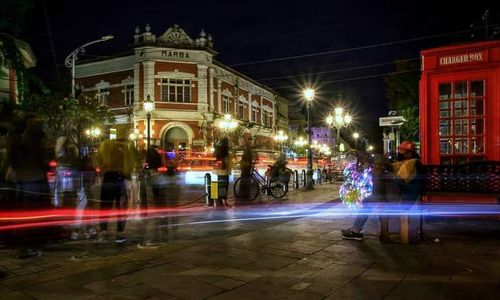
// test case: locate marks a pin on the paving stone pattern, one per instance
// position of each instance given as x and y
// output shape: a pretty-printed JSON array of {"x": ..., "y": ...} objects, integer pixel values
[{"x": 301, "y": 258}]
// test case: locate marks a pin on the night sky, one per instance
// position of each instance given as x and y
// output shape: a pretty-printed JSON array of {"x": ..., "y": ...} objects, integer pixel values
[{"x": 247, "y": 34}]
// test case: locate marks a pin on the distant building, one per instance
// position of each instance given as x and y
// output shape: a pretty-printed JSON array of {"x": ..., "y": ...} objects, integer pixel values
[
  {"x": 296, "y": 123},
  {"x": 323, "y": 135},
  {"x": 191, "y": 90},
  {"x": 9, "y": 76},
  {"x": 327, "y": 136}
]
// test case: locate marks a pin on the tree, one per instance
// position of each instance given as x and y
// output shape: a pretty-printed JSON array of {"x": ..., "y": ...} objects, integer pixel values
[
  {"x": 402, "y": 95},
  {"x": 68, "y": 117}
]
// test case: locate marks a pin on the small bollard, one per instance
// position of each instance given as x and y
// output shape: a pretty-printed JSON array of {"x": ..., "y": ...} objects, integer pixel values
[
  {"x": 296, "y": 179},
  {"x": 304, "y": 179},
  {"x": 208, "y": 186}
]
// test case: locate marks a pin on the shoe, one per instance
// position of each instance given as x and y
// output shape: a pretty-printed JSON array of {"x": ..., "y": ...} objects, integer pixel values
[
  {"x": 148, "y": 245},
  {"x": 74, "y": 236},
  {"x": 348, "y": 234},
  {"x": 30, "y": 253},
  {"x": 102, "y": 238},
  {"x": 89, "y": 235},
  {"x": 120, "y": 239}
]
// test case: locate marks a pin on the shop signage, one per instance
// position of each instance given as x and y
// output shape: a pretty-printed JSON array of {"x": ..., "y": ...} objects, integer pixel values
[
  {"x": 198, "y": 143},
  {"x": 391, "y": 121},
  {"x": 466, "y": 58},
  {"x": 175, "y": 54}
]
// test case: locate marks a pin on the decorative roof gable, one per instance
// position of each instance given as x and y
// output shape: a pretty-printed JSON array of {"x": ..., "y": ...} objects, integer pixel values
[{"x": 176, "y": 35}]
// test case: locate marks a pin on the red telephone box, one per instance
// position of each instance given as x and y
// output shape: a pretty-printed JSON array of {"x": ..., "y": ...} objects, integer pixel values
[{"x": 460, "y": 103}]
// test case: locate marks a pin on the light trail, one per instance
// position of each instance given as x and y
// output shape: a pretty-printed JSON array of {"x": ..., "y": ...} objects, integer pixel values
[{"x": 60, "y": 217}]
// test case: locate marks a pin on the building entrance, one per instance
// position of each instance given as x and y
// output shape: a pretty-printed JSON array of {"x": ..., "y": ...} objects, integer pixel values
[{"x": 176, "y": 138}]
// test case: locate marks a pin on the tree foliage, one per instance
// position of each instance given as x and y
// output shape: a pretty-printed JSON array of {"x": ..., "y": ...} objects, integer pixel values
[
  {"x": 402, "y": 95},
  {"x": 69, "y": 117}
]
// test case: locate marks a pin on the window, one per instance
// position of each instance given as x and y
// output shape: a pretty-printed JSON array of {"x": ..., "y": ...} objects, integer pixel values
[
  {"x": 226, "y": 104},
  {"x": 102, "y": 95},
  {"x": 268, "y": 117},
  {"x": 176, "y": 90},
  {"x": 241, "y": 110},
  {"x": 461, "y": 121},
  {"x": 129, "y": 94},
  {"x": 255, "y": 114}
]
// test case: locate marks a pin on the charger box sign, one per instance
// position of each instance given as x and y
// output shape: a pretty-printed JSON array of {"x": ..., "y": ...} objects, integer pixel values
[{"x": 461, "y": 59}]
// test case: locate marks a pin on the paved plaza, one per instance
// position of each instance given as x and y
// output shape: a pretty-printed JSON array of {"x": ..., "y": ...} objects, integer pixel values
[{"x": 278, "y": 258}]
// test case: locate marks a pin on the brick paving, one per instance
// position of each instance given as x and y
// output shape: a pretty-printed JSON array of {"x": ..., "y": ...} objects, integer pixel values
[{"x": 290, "y": 258}]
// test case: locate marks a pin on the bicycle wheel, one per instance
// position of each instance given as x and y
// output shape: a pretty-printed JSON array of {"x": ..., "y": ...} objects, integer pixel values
[
  {"x": 246, "y": 188},
  {"x": 277, "y": 188}
]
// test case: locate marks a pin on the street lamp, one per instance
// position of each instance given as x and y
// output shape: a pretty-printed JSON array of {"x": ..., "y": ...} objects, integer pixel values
[
  {"x": 339, "y": 120},
  {"x": 227, "y": 123},
  {"x": 148, "y": 106},
  {"x": 300, "y": 142},
  {"x": 281, "y": 138},
  {"x": 71, "y": 59},
  {"x": 355, "y": 136},
  {"x": 309, "y": 96},
  {"x": 92, "y": 134}
]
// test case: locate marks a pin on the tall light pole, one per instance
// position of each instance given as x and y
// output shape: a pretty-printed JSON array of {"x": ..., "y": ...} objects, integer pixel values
[
  {"x": 309, "y": 96},
  {"x": 92, "y": 134},
  {"x": 71, "y": 59},
  {"x": 227, "y": 124},
  {"x": 339, "y": 120},
  {"x": 281, "y": 138},
  {"x": 355, "y": 136},
  {"x": 148, "y": 106}
]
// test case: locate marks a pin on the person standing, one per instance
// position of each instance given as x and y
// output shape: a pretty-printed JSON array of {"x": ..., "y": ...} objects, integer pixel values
[
  {"x": 116, "y": 163},
  {"x": 28, "y": 166},
  {"x": 380, "y": 182},
  {"x": 223, "y": 170},
  {"x": 151, "y": 196}
]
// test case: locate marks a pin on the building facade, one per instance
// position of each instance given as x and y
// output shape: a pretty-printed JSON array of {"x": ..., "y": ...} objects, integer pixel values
[
  {"x": 460, "y": 103},
  {"x": 10, "y": 85},
  {"x": 191, "y": 91}
]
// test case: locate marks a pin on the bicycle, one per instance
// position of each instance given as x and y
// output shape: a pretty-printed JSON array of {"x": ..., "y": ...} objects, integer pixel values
[{"x": 257, "y": 183}]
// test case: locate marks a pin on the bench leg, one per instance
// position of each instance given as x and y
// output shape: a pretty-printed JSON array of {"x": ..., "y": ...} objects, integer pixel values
[
  {"x": 421, "y": 228},
  {"x": 384, "y": 228},
  {"x": 404, "y": 230}
]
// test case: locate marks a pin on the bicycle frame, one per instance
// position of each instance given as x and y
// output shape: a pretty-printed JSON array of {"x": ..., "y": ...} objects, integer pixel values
[{"x": 259, "y": 178}]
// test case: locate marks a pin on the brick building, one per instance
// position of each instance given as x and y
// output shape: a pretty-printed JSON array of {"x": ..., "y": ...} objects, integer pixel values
[{"x": 191, "y": 91}]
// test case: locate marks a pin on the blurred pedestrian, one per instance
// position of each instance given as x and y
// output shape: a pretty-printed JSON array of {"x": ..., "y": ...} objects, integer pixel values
[
  {"x": 381, "y": 177},
  {"x": 116, "y": 162},
  {"x": 85, "y": 179},
  {"x": 28, "y": 164},
  {"x": 407, "y": 185},
  {"x": 407, "y": 169},
  {"x": 151, "y": 197},
  {"x": 223, "y": 170},
  {"x": 66, "y": 173}
]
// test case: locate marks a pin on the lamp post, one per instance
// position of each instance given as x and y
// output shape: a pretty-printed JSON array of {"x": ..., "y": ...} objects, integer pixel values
[
  {"x": 92, "y": 133},
  {"x": 309, "y": 96},
  {"x": 73, "y": 56},
  {"x": 281, "y": 138},
  {"x": 339, "y": 120},
  {"x": 355, "y": 136},
  {"x": 227, "y": 124},
  {"x": 300, "y": 142},
  {"x": 148, "y": 106}
]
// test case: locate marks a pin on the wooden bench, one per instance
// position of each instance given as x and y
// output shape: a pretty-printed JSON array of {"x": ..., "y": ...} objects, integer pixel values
[{"x": 481, "y": 178}]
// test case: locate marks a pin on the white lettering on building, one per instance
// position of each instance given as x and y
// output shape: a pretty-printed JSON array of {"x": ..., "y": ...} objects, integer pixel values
[
  {"x": 175, "y": 54},
  {"x": 460, "y": 59}
]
